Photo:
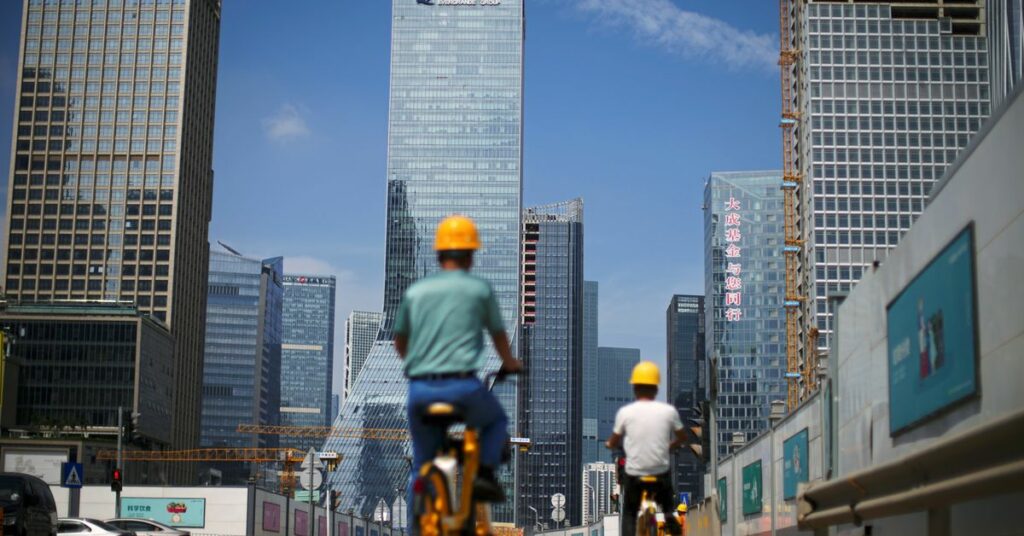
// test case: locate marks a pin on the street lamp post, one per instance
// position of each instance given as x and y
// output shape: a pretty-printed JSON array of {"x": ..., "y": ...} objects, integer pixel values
[
  {"x": 536, "y": 517},
  {"x": 593, "y": 502}
]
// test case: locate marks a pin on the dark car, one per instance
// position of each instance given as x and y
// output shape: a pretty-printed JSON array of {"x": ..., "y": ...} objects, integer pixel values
[{"x": 27, "y": 506}]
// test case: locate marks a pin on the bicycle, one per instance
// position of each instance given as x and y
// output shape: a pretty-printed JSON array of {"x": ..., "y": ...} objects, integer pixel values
[
  {"x": 647, "y": 517},
  {"x": 440, "y": 505}
]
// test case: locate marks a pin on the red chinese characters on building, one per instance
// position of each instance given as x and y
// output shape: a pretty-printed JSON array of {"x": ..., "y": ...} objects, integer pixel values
[{"x": 733, "y": 300}]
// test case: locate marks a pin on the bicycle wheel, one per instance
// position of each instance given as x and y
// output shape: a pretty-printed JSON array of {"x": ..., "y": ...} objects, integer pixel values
[{"x": 431, "y": 502}]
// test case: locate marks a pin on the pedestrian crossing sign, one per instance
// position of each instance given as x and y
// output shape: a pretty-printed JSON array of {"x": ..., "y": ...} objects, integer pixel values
[{"x": 71, "y": 475}]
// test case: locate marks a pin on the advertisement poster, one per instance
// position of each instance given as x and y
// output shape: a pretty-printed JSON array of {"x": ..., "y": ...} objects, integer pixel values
[
  {"x": 723, "y": 500},
  {"x": 271, "y": 517},
  {"x": 321, "y": 526},
  {"x": 932, "y": 337},
  {"x": 794, "y": 463},
  {"x": 342, "y": 529},
  {"x": 301, "y": 523},
  {"x": 184, "y": 513},
  {"x": 36, "y": 461},
  {"x": 752, "y": 488}
]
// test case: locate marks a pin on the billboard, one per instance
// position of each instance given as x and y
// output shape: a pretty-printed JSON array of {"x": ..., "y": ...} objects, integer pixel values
[
  {"x": 932, "y": 337},
  {"x": 752, "y": 488},
  {"x": 723, "y": 500},
  {"x": 794, "y": 463},
  {"x": 185, "y": 513},
  {"x": 36, "y": 461}
]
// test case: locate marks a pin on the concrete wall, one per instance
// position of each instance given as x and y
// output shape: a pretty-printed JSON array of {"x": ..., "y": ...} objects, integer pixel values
[
  {"x": 606, "y": 526},
  {"x": 986, "y": 187}
]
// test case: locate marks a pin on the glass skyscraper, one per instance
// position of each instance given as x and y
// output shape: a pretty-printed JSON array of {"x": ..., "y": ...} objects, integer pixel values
[
  {"x": 1006, "y": 46},
  {"x": 614, "y": 365},
  {"x": 454, "y": 146},
  {"x": 894, "y": 91},
  {"x": 744, "y": 290},
  {"x": 111, "y": 179},
  {"x": 360, "y": 333},
  {"x": 591, "y": 443},
  {"x": 307, "y": 353},
  {"x": 684, "y": 334},
  {"x": 242, "y": 368},
  {"x": 551, "y": 348}
]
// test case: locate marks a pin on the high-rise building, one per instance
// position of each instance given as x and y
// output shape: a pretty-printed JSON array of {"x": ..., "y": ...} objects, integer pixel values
[
  {"x": 551, "y": 348},
  {"x": 111, "y": 174},
  {"x": 686, "y": 385},
  {"x": 360, "y": 333},
  {"x": 744, "y": 291},
  {"x": 614, "y": 368},
  {"x": 454, "y": 146},
  {"x": 591, "y": 443},
  {"x": 242, "y": 368},
  {"x": 307, "y": 353},
  {"x": 891, "y": 92},
  {"x": 1005, "y": 29},
  {"x": 599, "y": 484}
]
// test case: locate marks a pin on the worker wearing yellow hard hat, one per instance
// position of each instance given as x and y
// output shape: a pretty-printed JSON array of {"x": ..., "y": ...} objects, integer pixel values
[
  {"x": 681, "y": 517},
  {"x": 647, "y": 430},
  {"x": 438, "y": 332}
]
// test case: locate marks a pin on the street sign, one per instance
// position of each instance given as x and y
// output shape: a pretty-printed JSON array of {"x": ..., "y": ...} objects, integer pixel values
[
  {"x": 558, "y": 515},
  {"x": 331, "y": 455},
  {"x": 71, "y": 475},
  {"x": 684, "y": 498},
  {"x": 311, "y": 480},
  {"x": 303, "y": 496},
  {"x": 558, "y": 500}
]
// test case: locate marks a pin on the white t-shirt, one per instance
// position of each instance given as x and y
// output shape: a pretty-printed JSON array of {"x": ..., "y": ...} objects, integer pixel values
[{"x": 648, "y": 427}]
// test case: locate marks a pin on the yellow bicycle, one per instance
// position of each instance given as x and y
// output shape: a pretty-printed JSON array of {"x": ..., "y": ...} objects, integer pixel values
[{"x": 647, "y": 517}]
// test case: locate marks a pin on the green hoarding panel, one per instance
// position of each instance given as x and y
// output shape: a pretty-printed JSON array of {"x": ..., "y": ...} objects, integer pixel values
[
  {"x": 752, "y": 488},
  {"x": 794, "y": 463},
  {"x": 723, "y": 500}
]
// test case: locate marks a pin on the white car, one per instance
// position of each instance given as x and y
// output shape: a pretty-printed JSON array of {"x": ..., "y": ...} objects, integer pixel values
[
  {"x": 92, "y": 527},
  {"x": 146, "y": 527}
]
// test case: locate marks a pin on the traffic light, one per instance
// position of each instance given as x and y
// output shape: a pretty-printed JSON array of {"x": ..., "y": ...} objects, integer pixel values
[
  {"x": 700, "y": 437},
  {"x": 115, "y": 481}
]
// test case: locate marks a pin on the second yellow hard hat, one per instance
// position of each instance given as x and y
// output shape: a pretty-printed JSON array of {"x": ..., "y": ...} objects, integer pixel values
[
  {"x": 646, "y": 373},
  {"x": 456, "y": 233}
]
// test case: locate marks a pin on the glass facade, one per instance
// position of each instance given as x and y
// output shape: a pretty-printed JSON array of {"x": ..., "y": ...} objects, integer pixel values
[
  {"x": 686, "y": 386},
  {"x": 1006, "y": 46},
  {"x": 307, "y": 353},
  {"x": 592, "y": 445},
  {"x": 454, "y": 146},
  {"x": 890, "y": 102},
  {"x": 360, "y": 333},
  {"x": 744, "y": 278},
  {"x": 599, "y": 483},
  {"x": 551, "y": 348},
  {"x": 242, "y": 369},
  {"x": 111, "y": 173},
  {"x": 615, "y": 365}
]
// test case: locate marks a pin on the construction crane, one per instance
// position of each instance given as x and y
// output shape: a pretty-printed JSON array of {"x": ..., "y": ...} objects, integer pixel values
[
  {"x": 792, "y": 181},
  {"x": 382, "y": 434},
  {"x": 288, "y": 455}
]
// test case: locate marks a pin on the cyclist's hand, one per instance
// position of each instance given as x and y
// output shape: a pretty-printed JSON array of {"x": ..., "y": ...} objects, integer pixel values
[{"x": 511, "y": 366}]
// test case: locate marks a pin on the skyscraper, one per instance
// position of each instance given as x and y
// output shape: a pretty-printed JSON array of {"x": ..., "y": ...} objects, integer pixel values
[
  {"x": 599, "y": 484},
  {"x": 454, "y": 146},
  {"x": 360, "y": 333},
  {"x": 614, "y": 368},
  {"x": 1005, "y": 21},
  {"x": 686, "y": 386},
  {"x": 307, "y": 353},
  {"x": 591, "y": 443},
  {"x": 744, "y": 278},
  {"x": 242, "y": 368},
  {"x": 111, "y": 175},
  {"x": 551, "y": 348},
  {"x": 894, "y": 91}
]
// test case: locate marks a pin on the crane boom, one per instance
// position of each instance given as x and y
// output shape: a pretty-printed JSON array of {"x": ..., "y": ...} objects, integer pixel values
[
  {"x": 381, "y": 434},
  {"x": 206, "y": 455}
]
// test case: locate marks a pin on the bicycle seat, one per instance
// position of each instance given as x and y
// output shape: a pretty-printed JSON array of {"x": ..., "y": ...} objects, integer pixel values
[
  {"x": 442, "y": 414},
  {"x": 648, "y": 482}
]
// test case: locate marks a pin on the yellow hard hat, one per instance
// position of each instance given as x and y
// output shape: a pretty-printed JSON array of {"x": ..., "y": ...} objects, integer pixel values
[
  {"x": 646, "y": 373},
  {"x": 456, "y": 233},
  {"x": 681, "y": 508}
]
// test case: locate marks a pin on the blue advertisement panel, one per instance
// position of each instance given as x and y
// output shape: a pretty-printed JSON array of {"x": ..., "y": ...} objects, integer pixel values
[
  {"x": 932, "y": 337},
  {"x": 184, "y": 513},
  {"x": 794, "y": 463}
]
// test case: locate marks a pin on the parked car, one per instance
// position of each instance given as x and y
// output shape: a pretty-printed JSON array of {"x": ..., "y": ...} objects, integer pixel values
[
  {"x": 27, "y": 507},
  {"x": 86, "y": 525},
  {"x": 147, "y": 527}
]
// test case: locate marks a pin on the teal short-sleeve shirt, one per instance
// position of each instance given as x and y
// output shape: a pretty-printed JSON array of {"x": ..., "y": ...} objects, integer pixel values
[{"x": 443, "y": 316}]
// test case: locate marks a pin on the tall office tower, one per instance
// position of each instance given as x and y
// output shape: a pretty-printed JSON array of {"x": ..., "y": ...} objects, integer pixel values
[
  {"x": 111, "y": 180},
  {"x": 614, "y": 365},
  {"x": 551, "y": 348},
  {"x": 454, "y": 146},
  {"x": 892, "y": 91},
  {"x": 686, "y": 386},
  {"x": 307, "y": 353},
  {"x": 360, "y": 333},
  {"x": 242, "y": 368},
  {"x": 591, "y": 443},
  {"x": 744, "y": 290},
  {"x": 599, "y": 484},
  {"x": 1005, "y": 21}
]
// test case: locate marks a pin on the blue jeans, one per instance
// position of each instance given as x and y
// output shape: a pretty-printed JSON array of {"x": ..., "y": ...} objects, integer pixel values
[{"x": 479, "y": 407}]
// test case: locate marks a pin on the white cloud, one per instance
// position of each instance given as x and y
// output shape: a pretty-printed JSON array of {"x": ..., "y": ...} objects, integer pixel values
[
  {"x": 286, "y": 124},
  {"x": 662, "y": 23},
  {"x": 312, "y": 266}
]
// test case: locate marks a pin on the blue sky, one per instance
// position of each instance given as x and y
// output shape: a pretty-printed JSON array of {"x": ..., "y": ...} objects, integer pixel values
[{"x": 630, "y": 104}]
